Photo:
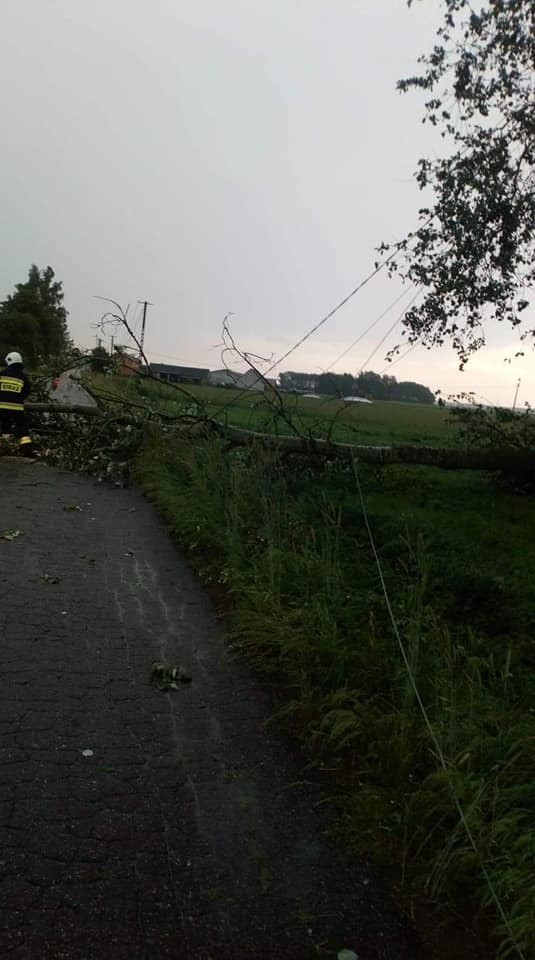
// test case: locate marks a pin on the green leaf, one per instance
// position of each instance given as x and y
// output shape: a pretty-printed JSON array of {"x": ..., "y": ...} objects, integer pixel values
[{"x": 10, "y": 534}]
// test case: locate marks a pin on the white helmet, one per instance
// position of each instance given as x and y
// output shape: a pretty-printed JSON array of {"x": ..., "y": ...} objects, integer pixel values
[{"x": 13, "y": 358}]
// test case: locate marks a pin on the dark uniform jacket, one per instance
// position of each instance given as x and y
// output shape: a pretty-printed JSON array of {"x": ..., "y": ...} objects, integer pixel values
[{"x": 14, "y": 388}]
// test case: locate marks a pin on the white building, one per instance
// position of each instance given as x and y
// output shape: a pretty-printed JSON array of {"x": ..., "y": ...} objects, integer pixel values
[{"x": 223, "y": 378}]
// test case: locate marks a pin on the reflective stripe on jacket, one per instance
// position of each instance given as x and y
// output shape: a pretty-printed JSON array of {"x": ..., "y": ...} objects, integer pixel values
[{"x": 14, "y": 388}]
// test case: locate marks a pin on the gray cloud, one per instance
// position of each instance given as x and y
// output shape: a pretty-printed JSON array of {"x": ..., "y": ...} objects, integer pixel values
[{"x": 245, "y": 156}]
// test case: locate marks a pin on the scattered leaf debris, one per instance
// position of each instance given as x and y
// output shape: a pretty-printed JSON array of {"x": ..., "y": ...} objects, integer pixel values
[
  {"x": 167, "y": 677},
  {"x": 10, "y": 534},
  {"x": 47, "y": 578}
]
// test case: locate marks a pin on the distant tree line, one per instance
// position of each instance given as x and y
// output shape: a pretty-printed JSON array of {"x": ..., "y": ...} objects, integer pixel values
[
  {"x": 369, "y": 385},
  {"x": 33, "y": 319}
]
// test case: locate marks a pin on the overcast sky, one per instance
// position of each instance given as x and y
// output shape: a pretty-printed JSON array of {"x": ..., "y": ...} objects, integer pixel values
[{"x": 223, "y": 155}]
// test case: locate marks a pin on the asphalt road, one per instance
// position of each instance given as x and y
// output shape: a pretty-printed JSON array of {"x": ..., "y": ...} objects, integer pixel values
[
  {"x": 136, "y": 823},
  {"x": 70, "y": 391}
]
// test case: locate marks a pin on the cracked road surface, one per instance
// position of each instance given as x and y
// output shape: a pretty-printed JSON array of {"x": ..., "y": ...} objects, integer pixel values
[{"x": 135, "y": 823}]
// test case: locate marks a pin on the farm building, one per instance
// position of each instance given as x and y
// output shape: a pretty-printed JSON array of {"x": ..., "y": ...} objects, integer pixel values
[
  {"x": 251, "y": 380},
  {"x": 127, "y": 365},
  {"x": 223, "y": 378},
  {"x": 172, "y": 374}
]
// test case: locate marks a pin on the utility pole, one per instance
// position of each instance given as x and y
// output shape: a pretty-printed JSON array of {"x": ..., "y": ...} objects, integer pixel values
[
  {"x": 146, "y": 303},
  {"x": 516, "y": 394},
  {"x": 112, "y": 342}
]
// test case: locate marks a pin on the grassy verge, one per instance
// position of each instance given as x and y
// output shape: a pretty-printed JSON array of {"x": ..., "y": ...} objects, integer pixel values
[{"x": 287, "y": 540}]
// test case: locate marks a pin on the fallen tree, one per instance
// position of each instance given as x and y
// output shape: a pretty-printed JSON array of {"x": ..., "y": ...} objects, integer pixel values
[{"x": 493, "y": 459}]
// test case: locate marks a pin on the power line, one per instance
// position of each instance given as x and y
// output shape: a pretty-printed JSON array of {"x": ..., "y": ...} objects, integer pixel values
[
  {"x": 401, "y": 357},
  {"x": 367, "y": 330},
  {"x": 166, "y": 356},
  {"x": 342, "y": 303},
  {"x": 389, "y": 331},
  {"x": 387, "y": 334},
  {"x": 494, "y": 386},
  {"x": 377, "y": 269},
  {"x": 433, "y": 735}
]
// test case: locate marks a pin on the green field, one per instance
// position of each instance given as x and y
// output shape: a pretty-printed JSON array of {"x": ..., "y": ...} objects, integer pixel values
[{"x": 375, "y": 424}]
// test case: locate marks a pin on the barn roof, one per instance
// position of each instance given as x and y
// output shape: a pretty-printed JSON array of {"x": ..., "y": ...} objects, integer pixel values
[{"x": 179, "y": 371}]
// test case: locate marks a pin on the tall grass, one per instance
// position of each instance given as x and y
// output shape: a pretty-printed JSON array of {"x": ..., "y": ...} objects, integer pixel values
[{"x": 287, "y": 540}]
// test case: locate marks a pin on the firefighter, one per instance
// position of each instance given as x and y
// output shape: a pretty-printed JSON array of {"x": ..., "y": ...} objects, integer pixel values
[{"x": 14, "y": 388}]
